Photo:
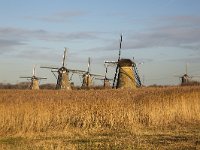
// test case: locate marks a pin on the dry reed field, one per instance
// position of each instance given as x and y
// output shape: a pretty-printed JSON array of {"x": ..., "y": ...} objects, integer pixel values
[{"x": 146, "y": 118}]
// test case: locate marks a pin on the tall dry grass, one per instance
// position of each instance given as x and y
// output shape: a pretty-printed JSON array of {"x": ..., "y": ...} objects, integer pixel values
[{"x": 26, "y": 111}]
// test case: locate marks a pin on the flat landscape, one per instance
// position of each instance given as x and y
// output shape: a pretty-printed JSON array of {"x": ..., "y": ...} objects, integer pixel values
[{"x": 145, "y": 118}]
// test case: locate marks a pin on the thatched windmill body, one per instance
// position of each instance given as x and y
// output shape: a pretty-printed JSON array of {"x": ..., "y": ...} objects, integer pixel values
[
  {"x": 87, "y": 77},
  {"x": 34, "y": 80},
  {"x": 126, "y": 74},
  {"x": 63, "y": 75},
  {"x": 185, "y": 79},
  {"x": 126, "y": 77}
]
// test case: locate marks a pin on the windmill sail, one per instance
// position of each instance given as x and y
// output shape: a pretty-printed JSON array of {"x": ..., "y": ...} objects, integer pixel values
[
  {"x": 64, "y": 57},
  {"x": 117, "y": 68},
  {"x": 88, "y": 64},
  {"x": 137, "y": 77},
  {"x": 34, "y": 71}
]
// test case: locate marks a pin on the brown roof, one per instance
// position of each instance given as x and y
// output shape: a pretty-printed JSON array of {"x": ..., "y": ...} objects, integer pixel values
[{"x": 125, "y": 62}]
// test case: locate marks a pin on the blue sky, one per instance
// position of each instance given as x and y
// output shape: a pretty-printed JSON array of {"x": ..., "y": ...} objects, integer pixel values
[{"x": 163, "y": 34}]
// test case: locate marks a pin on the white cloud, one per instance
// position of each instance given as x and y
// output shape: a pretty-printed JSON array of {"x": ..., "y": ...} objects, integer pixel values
[
  {"x": 7, "y": 45},
  {"x": 25, "y": 34},
  {"x": 14, "y": 37}
]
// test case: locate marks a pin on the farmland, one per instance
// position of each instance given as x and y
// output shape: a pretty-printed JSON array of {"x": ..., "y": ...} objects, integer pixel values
[{"x": 145, "y": 118}]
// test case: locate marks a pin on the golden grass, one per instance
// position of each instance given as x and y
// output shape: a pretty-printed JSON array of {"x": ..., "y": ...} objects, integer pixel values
[
  {"x": 146, "y": 118},
  {"x": 44, "y": 111}
]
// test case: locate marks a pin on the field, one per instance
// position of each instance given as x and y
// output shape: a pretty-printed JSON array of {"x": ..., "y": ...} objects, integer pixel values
[{"x": 146, "y": 118}]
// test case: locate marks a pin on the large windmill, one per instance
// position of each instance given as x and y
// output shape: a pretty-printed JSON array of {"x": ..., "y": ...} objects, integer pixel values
[
  {"x": 34, "y": 80},
  {"x": 126, "y": 74},
  {"x": 63, "y": 74}
]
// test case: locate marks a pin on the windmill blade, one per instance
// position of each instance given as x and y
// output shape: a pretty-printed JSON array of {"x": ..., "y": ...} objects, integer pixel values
[
  {"x": 110, "y": 62},
  {"x": 113, "y": 63},
  {"x": 34, "y": 70},
  {"x": 40, "y": 78},
  {"x": 50, "y": 67},
  {"x": 106, "y": 71},
  {"x": 96, "y": 75},
  {"x": 26, "y": 77},
  {"x": 88, "y": 64},
  {"x": 54, "y": 74},
  {"x": 77, "y": 71},
  {"x": 54, "y": 70},
  {"x": 114, "y": 80},
  {"x": 103, "y": 79},
  {"x": 119, "y": 57},
  {"x": 137, "y": 77},
  {"x": 64, "y": 57},
  {"x": 120, "y": 47},
  {"x": 186, "y": 68}
]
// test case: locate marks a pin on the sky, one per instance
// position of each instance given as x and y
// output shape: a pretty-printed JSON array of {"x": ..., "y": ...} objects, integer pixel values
[{"x": 162, "y": 36}]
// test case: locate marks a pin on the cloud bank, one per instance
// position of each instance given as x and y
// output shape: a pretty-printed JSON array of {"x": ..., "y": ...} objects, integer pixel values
[{"x": 177, "y": 31}]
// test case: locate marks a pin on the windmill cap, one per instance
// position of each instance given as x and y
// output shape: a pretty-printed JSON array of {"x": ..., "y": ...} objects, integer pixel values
[{"x": 125, "y": 62}]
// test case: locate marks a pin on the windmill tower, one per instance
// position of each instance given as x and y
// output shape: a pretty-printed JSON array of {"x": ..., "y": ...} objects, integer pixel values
[
  {"x": 126, "y": 74},
  {"x": 34, "y": 80},
  {"x": 185, "y": 79},
  {"x": 88, "y": 76},
  {"x": 126, "y": 78},
  {"x": 63, "y": 75}
]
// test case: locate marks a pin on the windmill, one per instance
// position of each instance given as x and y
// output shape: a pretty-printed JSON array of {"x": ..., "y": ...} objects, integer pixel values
[
  {"x": 185, "y": 78},
  {"x": 88, "y": 76},
  {"x": 34, "y": 80},
  {"x": 63, "y": 74},
  {"x": 126, "y": 73}
]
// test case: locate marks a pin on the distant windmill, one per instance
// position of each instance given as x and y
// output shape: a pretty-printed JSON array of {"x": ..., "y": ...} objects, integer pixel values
[
  {"x": 87, "y": 76},
  {"x": 126, "y": 74},
  {"x": 186, "y": 79},
  {"x": 63, "y": 75},
  {"x": 34, "y": 80}
]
